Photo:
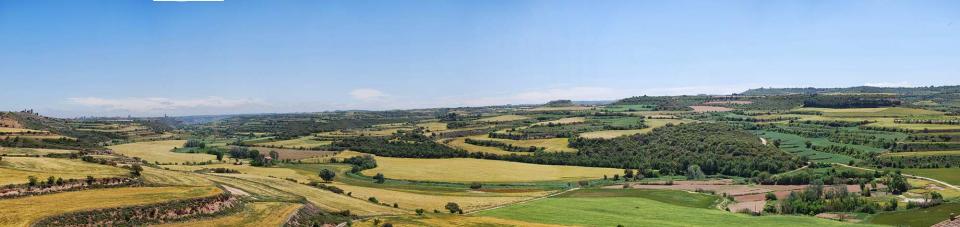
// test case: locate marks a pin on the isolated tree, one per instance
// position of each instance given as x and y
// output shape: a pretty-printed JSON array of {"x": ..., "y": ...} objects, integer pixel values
[
  {"x": 220, "y": 156},
  {"x": 32, "y": 181},
  {"x": 776, "y": 143},
  {"x": 453, "y": 208},
  {"x": 51, "y": 180},
  {"x": 627, "y": 173},
  {"x": 90, "y": 180},
  {"x": 694, "y": 173},
  {"x": 808, "y": 143},
  {"x": 327, "y": 175},
  {"x": 898, "y": 184},
  {"x": 420, "y": 211},
  {"x": 379, "y": 178},
  {"x": 135, "y": 170},
  {"x": 476, "y": 185}
]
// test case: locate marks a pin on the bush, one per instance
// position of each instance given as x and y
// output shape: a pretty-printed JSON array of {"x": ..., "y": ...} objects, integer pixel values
[
  {"x": 453, "y": 208},
  {"x": 475, "y": 185}
]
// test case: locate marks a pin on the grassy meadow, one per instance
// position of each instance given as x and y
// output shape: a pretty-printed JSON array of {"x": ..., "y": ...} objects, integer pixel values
[{"x": 641, "y": 210}]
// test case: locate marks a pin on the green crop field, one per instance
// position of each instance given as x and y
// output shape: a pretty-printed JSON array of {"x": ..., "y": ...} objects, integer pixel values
[
  {"x": 949, "y": 175},
  {"x": 916, "y": 217},
  {"x": 639, "y": 210}
]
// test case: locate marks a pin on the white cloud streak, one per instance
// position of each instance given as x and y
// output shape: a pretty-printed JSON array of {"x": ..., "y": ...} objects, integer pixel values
[
  {"x": 157, "y": 103},
  {"x": 367, "y": 94}
]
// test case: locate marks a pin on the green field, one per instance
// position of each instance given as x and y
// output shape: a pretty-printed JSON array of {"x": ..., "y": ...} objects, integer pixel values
[
  {"x": 641, "y": 210},
  {"x": 916, "y": 217},
  {"x": 949, "y": 175},
  {"x": 794, "y": 144}
]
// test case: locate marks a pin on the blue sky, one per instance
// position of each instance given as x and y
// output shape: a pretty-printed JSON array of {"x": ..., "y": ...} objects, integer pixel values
[{"x": 143, "y": 58}]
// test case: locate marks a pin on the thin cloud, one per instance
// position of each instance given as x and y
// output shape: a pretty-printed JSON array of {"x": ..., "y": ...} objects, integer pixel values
[
  {"x": 367, "y": 94},
  {"x": 156, "y": 103},
  {"x": 890, "y": 84}
]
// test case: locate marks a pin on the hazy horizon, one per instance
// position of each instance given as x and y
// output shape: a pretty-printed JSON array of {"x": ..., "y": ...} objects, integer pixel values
[{"x": 143, "y": 58}]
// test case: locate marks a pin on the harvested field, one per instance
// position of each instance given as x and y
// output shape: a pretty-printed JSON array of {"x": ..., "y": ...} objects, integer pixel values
[
  {"x": 305, "y": 142},
  {"x": 551, "y": 145},
  {"x": 728, "y": 102},
  {"x": 15, "y": 170},
  {"x": 253, "y": 214},
  {"x": 652, "y": 123},
  {"x": 703, "y": 109},
  {"x": 159, "y": 151},
  {"x": 460, "y": 142},
  {"x": 563, "y": 121},
  {"x": 32, "y": 151},
  {"x": 161, "y": 177},
  {"x": 503, "y": 118},
  {"x": 479, "y": 170},
  {"x": 323, "y": 199},
  {"x": 433, "y": 126},
  {"x": 294, "y": 154},
  {"x": 23, "y": 211},
  {"x": 282, "y": 173},
  {"x": 18, "y": 130},
  {"x": 409, "y": 200}
]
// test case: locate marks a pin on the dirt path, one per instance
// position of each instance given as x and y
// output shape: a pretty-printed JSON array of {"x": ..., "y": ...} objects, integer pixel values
[
  {"x": 521, "y": 202},
  {"x": 907, "y": 175}
]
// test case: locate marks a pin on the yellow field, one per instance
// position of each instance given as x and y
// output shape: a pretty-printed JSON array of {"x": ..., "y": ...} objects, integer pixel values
[
  {"x": 873, "y": 112},
  {"x": 154, "y": 176},
  {"x": 39, "y": 137},
  {"x": 653, "y": 123},
  {"x": 160, "y": 151},
  {"x": 14, "y": 170},
  {"x": 479, "y": 170},
  {"x": 433, "y": 200},
  {"x": 32, "y": 151},
  {"x": 281, "y": 173},
  {"x": 5, "y": 129},
  {"x": 552, "y": 144},
  {"x": 433, "y": 126},
  {"x": 24, "y": 211},
  {"x": 305, "y": 142},
  {"x": 253, "y": 214},
  {"x": 453, "y": 221},
  {"x": 563, "y": 121},
  {"x": 919, "y": 153},
  {"x": 460, "y": 142},
  {"x": 366, "y": 132},
  {"x": 889, "y": 122},
  {"x": 323, "y": 199},
  {"x": 503, "y": 118}
]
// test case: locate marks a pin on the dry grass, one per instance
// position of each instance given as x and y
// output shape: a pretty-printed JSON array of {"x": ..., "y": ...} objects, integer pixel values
[
  {"x": 32, "y": 151},
  {"x": 14, "y": 170},
  {"x": 253, "y": 214},
  {"x": 552, "y": 144},
  {"x": 653, "y": 123},
  {"x": 277, "y": 172},
  {"x": 702, "y": 109},
  {"x": 431, "y": 200},
  {"x": 302, "y": 142},
  {"x": 24, "y": 211},
  {"x": 503, "y": 118},
  {"x": 163, "y": 177},
  {"x": 433, "y": 126},
  {"x": 323, "y": 199},
  {"x": 460, "y": 142},
  {"x": 18, "y": 130},
  {"x": 563, "y": 121},
  {"x": 160, "y": 151},
  {"x": 479, "y": 170}
]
